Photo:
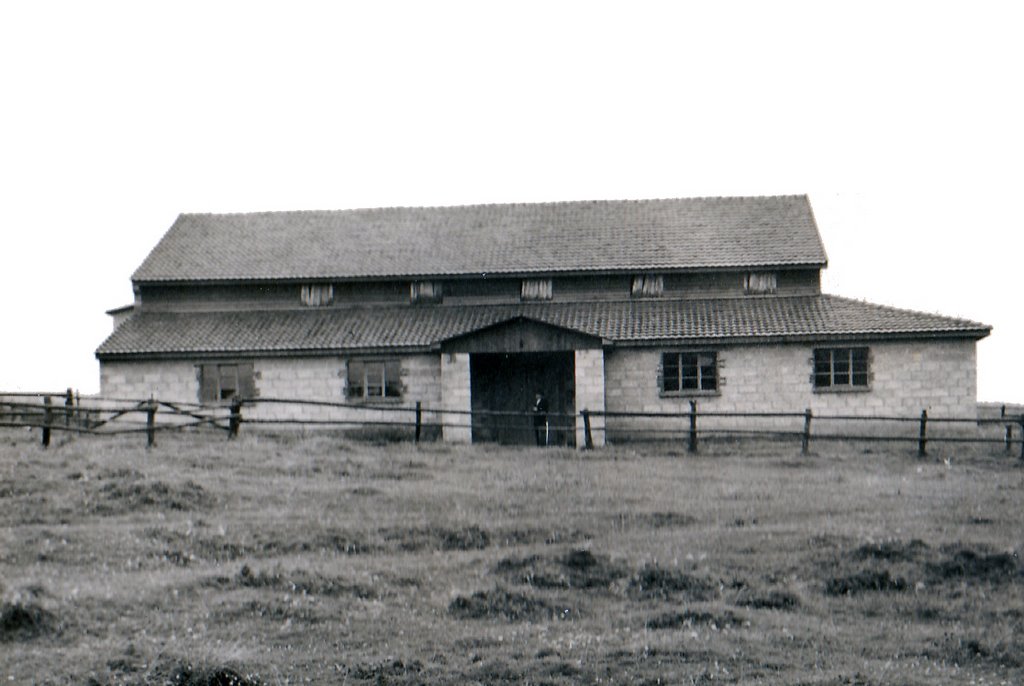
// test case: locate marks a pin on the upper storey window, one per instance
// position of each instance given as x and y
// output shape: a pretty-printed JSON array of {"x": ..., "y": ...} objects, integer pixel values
[
  {"x": 536, "y": 289},
  {"x": 758, "y": 283},
  {"x": 426, "y": 292},
  {"x": 648, "y": 285},
  {"x": 317, "y": 294}
]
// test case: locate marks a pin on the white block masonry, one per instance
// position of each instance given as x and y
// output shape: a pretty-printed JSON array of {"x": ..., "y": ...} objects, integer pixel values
[
  {"x": 455, "y": 398},
  {"x": 590, "y": 395}
]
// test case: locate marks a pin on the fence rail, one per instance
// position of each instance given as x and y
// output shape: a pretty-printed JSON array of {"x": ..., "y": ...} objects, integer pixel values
[{"x": 95, "y": 415}]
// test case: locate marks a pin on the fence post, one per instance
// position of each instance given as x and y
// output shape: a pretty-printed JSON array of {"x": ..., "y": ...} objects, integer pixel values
[
  {"x": 150, "y": 424},
  {"x": 47, "y": 420},
  {"x": 69, "y": 403},
  {"x": 692, "y": 444},
  {"x": 806, "y": 445},
  {"x": 235, "y": 419},
  {"x": 419, "y": 420},
  {"x": 922, "y": 441},
  {"x": 588, "y": 440}
]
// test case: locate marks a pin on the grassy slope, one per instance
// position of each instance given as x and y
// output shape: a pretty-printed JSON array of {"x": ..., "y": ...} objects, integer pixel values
[{"x": 298, "y": 558}]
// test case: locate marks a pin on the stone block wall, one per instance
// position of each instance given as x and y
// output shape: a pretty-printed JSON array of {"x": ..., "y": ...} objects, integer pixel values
[
  {"x": 939, "y": 376},
  {"x": 305, "y": 378},
  {"x": 590, "y": 394},
  {"x": 455, "y": 396},
  {"x": 170, "y": 380}
]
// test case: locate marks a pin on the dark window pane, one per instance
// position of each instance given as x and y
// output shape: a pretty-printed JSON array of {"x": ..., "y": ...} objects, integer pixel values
[
  {"x": 670, "y": 372},
  {"x": 392, "y": 379},
  {"x": 823, "y": 380},
  {"x": 374, "y": 380},
  {"x": 823, "y": 362},
  {"x": 860, "y": 378},
  {"x": 708, "y": 372},
  {"x": 356, "y": 370}
]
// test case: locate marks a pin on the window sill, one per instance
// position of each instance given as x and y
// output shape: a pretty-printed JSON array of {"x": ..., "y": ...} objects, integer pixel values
[
  {"x": 689, "y": 394},
  {"x": 843, "y": 389},
  {"x": 375, "y": 401}
]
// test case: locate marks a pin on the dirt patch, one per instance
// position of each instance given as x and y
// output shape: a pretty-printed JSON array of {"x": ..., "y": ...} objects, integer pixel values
[
  {"x": 654, "y": 520},
  {"x": 500, "y": 603},
  {"x": 382, "y": 672},
  {"x": 514, "y": 537},
  {"x": 963, "y": 563},
  {"x": 23, "y": 620},
  {"x": 574, "y": 569},
  {"x": 185, "y": 673},
  {"x": 689, "y": 618},
  {"x": 865, "y": 581},
  {"x": 770, "y": 600},
  {"x": 117, "y": 497},
  {"x": 24, "y": 615},
  {"x": 299, "y": 582},
  {"x": 653, "y": 582},
  {"x": 436, "y": 538},
  {"x": 892, "y": 551}
]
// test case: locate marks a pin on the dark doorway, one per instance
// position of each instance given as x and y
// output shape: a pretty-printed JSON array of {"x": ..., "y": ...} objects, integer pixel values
[{"x": 507, "y": 382}]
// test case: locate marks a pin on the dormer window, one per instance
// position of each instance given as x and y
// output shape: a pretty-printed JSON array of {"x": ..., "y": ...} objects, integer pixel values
[
  {"x": 425, "y": 292},
  {"x": 317, "y": 294},
  {"x": 760, "y": 283},
  {"x": 536, "y": 289},
  {"x": 648, "y": 285}
]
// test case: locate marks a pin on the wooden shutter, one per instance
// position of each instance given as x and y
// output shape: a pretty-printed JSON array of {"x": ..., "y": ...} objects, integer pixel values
[
  {"x": 209, "y": 383},
  {"x": 246, "y": 380}
]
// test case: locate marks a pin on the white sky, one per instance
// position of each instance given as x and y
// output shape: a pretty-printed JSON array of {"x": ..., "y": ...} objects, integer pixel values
[{"x": 901, "y": 120}]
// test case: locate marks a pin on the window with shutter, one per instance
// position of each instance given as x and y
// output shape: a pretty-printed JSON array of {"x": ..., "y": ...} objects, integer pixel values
[
  {"x": 758, "y": 283},
  {"x": 317, "y": 294},
  {"x": 222, "y": 381},
  {"x": 426, "y": 292},
  {"x": 536, "y": 289},
  {"x": 648, "y": 285}
]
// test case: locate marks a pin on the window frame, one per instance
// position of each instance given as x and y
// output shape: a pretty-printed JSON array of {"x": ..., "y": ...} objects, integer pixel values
[
  {"x": 674, "y": 359},
  {"x": 212, "y": 375},
  {"x": 385, "y": 372},
  {"x": 854, "y": 363}
]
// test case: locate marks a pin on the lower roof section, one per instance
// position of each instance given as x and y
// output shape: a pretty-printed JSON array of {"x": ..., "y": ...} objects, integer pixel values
[{"x": 618, "y": 323}]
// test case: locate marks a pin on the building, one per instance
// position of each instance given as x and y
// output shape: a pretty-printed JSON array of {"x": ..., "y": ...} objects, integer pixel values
[{"x": 610, "y": 306}]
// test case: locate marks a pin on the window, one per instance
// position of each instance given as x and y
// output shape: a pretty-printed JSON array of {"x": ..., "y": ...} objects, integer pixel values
[
  {"x": 841, "y": 368},
  {"x": 374, "y": 379},
  {"x": 317, "y": 294},
  {"x": 648, "y": 285},
  {"x": 223, "y": 381},
  {"x": 755, "y": 283},
  {"x": 690, "y": 372},
  {"x": 425, "y": 292},
  {"x": 536, "y": 289}
]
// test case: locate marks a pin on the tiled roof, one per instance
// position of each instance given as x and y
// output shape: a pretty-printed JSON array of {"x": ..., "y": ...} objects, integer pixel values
[
  {"x": 622, "y": 235},
  {"x": 619, "y": 322}
]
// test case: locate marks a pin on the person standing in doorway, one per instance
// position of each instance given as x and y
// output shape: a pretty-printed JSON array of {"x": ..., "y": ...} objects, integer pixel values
[{"x": 540, "y": 418}]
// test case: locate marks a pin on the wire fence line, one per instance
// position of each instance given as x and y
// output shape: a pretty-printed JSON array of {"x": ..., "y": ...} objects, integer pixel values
[{"x": 97, "y": 415}]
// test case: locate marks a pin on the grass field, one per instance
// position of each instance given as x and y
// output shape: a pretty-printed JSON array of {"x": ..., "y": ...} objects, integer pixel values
[{"x": 312, "y": 559}]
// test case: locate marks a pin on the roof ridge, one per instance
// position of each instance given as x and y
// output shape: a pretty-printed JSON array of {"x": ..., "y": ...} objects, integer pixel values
[{"x": 549, "y": 203}]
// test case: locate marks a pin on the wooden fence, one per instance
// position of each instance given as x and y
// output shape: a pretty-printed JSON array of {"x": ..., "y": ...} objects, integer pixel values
[{"x": 93, "y": 415}]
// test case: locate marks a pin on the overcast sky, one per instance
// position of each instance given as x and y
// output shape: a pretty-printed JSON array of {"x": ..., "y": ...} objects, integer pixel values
[{"x": 901, "y": 120}]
